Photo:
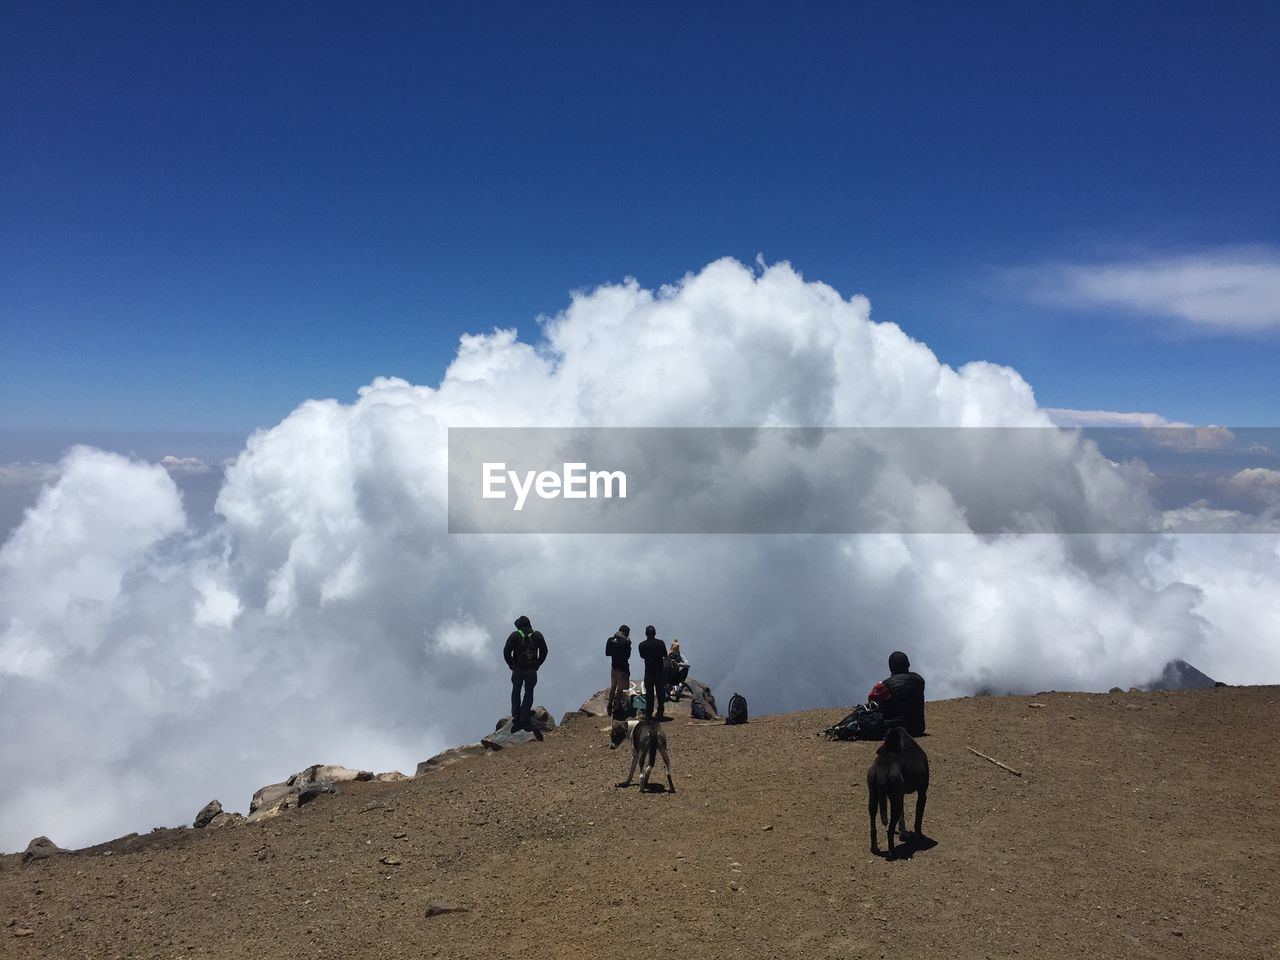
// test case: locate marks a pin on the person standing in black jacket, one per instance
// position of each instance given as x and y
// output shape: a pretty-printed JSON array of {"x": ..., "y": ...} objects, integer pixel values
[
  {"x": 654, "y": 654},
  {"x": 900, "y": 696},
  {"x": 618, "y": 649},
  {"x": 525, "y": 651}
]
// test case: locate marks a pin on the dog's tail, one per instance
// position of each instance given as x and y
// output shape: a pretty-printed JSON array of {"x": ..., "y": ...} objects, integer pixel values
[
  {"x": 653, "y": 749},
  {"x": 884, "y": 807}
]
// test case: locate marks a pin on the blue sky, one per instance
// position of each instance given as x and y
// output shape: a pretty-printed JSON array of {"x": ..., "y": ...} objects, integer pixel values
[{"x": 214, "y": 211}]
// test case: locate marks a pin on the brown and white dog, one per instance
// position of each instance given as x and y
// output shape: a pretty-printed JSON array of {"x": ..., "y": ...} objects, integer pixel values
[{"x": 647, "y": 741}]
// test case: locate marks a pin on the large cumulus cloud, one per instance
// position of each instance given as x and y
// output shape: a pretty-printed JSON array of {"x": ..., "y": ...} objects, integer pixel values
[{"x": 148, "y": 663}]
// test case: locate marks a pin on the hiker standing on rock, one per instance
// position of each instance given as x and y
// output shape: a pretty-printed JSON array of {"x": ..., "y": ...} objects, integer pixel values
[
  {"x": 525, "y": 652},
  {"x": 654, "y": 654},
  {"x": 618, "y": 649}
]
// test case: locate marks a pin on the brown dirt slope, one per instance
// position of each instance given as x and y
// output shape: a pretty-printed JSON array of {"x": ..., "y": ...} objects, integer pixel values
[{"x": 1144, "y": 825}]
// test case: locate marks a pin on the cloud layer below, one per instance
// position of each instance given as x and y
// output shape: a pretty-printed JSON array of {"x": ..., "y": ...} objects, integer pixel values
[{"x": 148, "y": 663}]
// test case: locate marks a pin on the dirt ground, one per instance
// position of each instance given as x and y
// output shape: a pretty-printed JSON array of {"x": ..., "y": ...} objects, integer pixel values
[{"x": 1143, "y": 825}]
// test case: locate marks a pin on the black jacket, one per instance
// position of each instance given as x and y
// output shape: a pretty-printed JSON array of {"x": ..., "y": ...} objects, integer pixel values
[
  {"x": 618, "y": 648},
  {"x": 654, "y": 654},
  {"x": 525, "y": 652},
  {"x": 905, "y": 704}
]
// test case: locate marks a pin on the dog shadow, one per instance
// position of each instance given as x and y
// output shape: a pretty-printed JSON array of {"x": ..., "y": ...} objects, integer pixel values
[
  {"x": 652, "y": 788},
  {"x": 906, "y": 849}
]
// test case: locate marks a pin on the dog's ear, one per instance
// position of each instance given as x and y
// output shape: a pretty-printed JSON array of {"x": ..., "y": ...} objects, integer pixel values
[{"x": 617, "y": 735}]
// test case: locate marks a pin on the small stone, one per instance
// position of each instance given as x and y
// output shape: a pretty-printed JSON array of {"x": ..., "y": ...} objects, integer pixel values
[
  {"x": 391, "y": 860},
  {"x": 23, "y": 932},
  {"x": 437, "y": 907},
  {"x": 768, "y": 827},
  {"x": 401, "y": 836},
  {"x": 1036, "y": 706}
]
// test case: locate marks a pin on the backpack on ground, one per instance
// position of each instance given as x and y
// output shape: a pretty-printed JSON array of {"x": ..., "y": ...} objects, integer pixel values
[
  {"x": 865, "y": 723},
  {"x": 737, "y": 709},
  {"x": 698, "y": 710},
  {"x": 638, "y": 704}
]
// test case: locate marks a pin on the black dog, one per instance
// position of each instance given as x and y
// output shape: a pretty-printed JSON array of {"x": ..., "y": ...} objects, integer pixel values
[{"x": 900, "y": 767}]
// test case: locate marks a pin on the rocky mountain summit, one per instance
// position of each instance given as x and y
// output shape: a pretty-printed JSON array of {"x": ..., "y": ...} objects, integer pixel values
[{"x": 1106, "y": 842}]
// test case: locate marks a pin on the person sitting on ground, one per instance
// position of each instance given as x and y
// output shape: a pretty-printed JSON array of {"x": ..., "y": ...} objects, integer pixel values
[
  {"x": 900, "y": 696},
  {"x": 677, "y": 671},
  {"x": 654, "y": 654},
  {"x": 525, "y": 651},
  {"x": 618, "y": 649}
]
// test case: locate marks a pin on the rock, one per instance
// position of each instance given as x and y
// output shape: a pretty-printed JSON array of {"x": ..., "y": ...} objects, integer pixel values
[
  {"x": 502, "y": 741},
  {"x": 225, "y": 820},
  {"x": 273, "y": 807},
  {"x": 1036, "y": 706},
  {"x": 596, "y": 705},
  {"x": 1115, "y": 690},
  {"x": 41, "y": 848},
  {"x": 393, "y": 776},
  {"x": 206, "y": 814},
  {"x": 391, "y": 860},
  {"x": 540, "y": 717},
  {"x": 448, "y": 757},
  {"x": 314, "y": 790},
  {"x": 437, "y": 907},
  {"x": 327, "y": 773},
  {"x": 269, "y": 795},
  {"x": 23, "y": 932}
]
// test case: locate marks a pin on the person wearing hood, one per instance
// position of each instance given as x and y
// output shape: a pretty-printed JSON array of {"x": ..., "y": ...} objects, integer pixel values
[
  {"x": 654, "y": 654},
  {"x": 900, "y": 696},
  {"x": 525, "y": 651},
  {"x": 618, "y": 649}
]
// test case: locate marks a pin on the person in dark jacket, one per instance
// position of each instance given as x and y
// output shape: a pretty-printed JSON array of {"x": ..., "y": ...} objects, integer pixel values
[
  {"x": 618, "y": 649},
  {"x": 525, "y": 652},
  {"x": 654, "y": 654},
  {"x": 900, "y": 696}
]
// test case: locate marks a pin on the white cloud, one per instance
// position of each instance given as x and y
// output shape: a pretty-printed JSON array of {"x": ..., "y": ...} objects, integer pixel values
[
  {"x": 1159, "y": 431},
  {"x": 184, "y": 465},
  {"x": 167, "y": 665},
  {"x": 1066, "y": 418},
  {"x": 26, "y": 474},
  {"x": 1232, "y": 291},
  {"x": 1257, "y": 483}
]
